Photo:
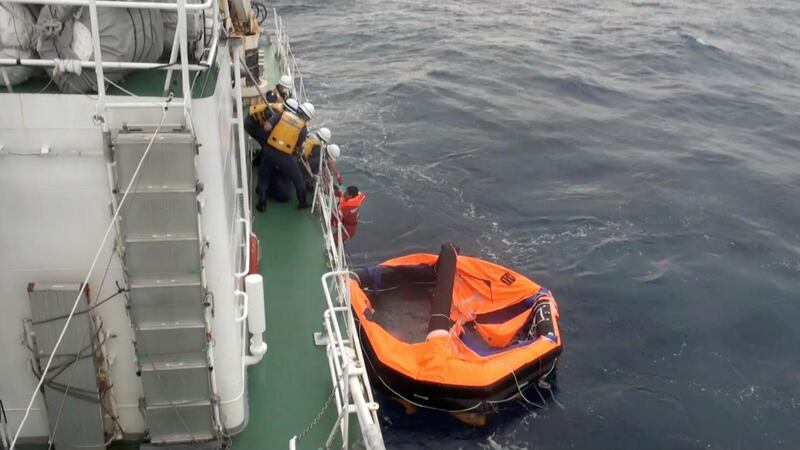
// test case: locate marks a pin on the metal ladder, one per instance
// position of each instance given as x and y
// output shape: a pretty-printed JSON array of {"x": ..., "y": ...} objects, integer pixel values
[{"x": 169, "y": 305}]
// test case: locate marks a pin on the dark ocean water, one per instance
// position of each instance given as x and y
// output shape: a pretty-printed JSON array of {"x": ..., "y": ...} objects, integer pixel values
[{"x": 639, "y": 158}]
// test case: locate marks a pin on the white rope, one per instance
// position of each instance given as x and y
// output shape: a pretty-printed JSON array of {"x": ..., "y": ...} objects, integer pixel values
[
  {"x": 63, "y": 66},
  {"x": 125, "y": 90},
  {"x": 86, "y": 279},
  {"x": 52, "y": 439}
]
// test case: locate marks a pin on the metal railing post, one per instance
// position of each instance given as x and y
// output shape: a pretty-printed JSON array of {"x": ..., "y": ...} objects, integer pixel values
[
  {"x": 243, "y": 163},
  {"x": 187, "y": 88},
  {"x": 173, "y": 57},
  {"x": 98, "y": 70}
]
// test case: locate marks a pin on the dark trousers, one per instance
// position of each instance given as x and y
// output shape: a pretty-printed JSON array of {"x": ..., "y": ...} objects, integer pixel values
[
  {"x": 275, "y": 168},
  {"x": 308, "y": 176},
  {"x": 276, "y": 164},
  {"x": 278, "y": 188},
  {"x": 314, "y": 163},
  {"x": 255, "y": 130}
]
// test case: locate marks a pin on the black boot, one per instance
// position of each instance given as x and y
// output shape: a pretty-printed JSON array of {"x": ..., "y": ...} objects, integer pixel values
[
  {"x": 261, "y": 206},
  {"x": 302, "y": 203}
]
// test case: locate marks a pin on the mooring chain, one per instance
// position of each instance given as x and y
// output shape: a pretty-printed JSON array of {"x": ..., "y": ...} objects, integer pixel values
[{"x": 318, "y": 416}]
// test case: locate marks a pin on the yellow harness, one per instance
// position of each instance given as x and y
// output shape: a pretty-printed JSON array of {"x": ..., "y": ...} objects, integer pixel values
[
  {"x": 286, "y": 133},
  {"x": 308, "y": 146},
  {"x": 259, "y": 111}
]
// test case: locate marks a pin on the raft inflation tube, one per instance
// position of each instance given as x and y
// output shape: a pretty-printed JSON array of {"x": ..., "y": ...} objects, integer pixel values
[{"x": 454, "y": 333}]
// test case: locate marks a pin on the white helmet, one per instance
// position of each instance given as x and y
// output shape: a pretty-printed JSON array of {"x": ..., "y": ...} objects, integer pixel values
[
  {"x": 292, "y": 104},
  {"x": 285, "y": 81},
  {"x": 333, "y": 151},
  {"x": 307, "y": 109},
  {"x": 324, "y": 134}
]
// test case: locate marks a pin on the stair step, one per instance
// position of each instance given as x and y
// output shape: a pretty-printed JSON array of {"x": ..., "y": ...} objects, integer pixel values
[
  {"x": 178, "y": 404},
  {"x": 185, "y": 386},
  {"x": 170, "y": 325},
  {"x": 161, "y": 212},
  {"x": 168, "y": 423},
  {"x": 182, "y": 379},
  {"x": 167, "y": 342},
  {"x": 210, "y": 445},
  {"x": 159, "y": 238},
  {"x": 153, "y": 255},
  {"x": 162, "y": 189},
  {"x": 156, "y": 300},
  {"x": 165, "y": 282},
  {"x": 176, "y": 385},
  {"x": 177, "y": 361},
  {"x": 163, "y": 363},
  {"x": 171, "y": 159}
]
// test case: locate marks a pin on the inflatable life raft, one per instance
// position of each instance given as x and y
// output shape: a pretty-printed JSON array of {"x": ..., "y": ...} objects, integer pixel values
[{"x": 454, "y": 333}]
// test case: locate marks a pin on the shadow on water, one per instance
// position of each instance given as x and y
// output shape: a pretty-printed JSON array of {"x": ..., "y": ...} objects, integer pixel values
[{"x": 421, "y": 429}]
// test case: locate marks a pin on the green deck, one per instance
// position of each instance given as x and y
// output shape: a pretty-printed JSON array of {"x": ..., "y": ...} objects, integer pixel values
[{"x": 291, "y": 384}]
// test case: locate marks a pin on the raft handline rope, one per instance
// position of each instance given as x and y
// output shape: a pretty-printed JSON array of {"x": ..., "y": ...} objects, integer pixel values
[{"x": 110, "y": 227}]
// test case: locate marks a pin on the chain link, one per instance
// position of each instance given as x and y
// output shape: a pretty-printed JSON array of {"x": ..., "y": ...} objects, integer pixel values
[{"x": 318, "y": 416}]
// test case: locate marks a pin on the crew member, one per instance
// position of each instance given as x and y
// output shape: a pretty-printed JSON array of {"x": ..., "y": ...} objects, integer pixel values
[
  {"x": 261, "y": 112},
  {"x": 315, "y": 142},
  {"x": 331, "y": 153},
  {"x": 349, "y": 205},
  {"x": 281, "y": 92},
  {"x": 285, "y": 133},
  {"x": 313, "y": 147}
]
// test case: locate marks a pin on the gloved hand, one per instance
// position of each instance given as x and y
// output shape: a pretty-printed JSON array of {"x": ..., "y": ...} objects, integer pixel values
[{"x": 340, "y": 178}]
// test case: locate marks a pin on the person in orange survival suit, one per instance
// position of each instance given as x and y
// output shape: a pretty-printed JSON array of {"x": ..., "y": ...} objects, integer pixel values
[{"x": 349, "y": 205}]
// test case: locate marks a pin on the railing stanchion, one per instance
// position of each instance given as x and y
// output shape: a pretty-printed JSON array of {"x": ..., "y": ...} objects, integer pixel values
[
  {"x": 187, "y": 87},
  {"x": 98, "y": 70},
  {"x": 173, "y": 57}
]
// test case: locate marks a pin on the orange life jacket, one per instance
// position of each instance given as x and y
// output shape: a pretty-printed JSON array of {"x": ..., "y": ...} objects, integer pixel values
[
  {"x": 348, "y": 211},
  {"x": 259, "y": 111},
  {"x": 308, "y": 146},
  {"x": 286, "y": 133}
]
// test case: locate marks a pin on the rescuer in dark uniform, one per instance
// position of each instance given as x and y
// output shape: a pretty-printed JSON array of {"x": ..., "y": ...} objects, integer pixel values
[{"x": 285, "y": 133}]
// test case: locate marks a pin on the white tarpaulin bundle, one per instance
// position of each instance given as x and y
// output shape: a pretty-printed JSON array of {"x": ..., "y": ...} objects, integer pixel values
[
  {"x": 16, "y": 41},
  {"x": 125, "y": 35}
]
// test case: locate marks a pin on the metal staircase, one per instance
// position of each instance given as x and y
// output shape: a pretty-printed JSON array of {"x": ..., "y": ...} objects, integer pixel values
[{"x": 168, "y": 302}]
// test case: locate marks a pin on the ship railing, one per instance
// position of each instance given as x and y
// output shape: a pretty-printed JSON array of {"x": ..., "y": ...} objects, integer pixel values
[
  {"x": 5, "y": 439},
  {"x": 179, "y": 57},
  {"x": 286, "y": 58},
  {"x": 351, "y": 389}
]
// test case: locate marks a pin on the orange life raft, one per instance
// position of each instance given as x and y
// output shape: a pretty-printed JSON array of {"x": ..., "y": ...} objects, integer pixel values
[{"x": 453, "y": 332}]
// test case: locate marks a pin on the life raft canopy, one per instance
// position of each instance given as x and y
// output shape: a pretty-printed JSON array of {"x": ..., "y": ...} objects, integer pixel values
[{"x": 454, "y": 320}]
